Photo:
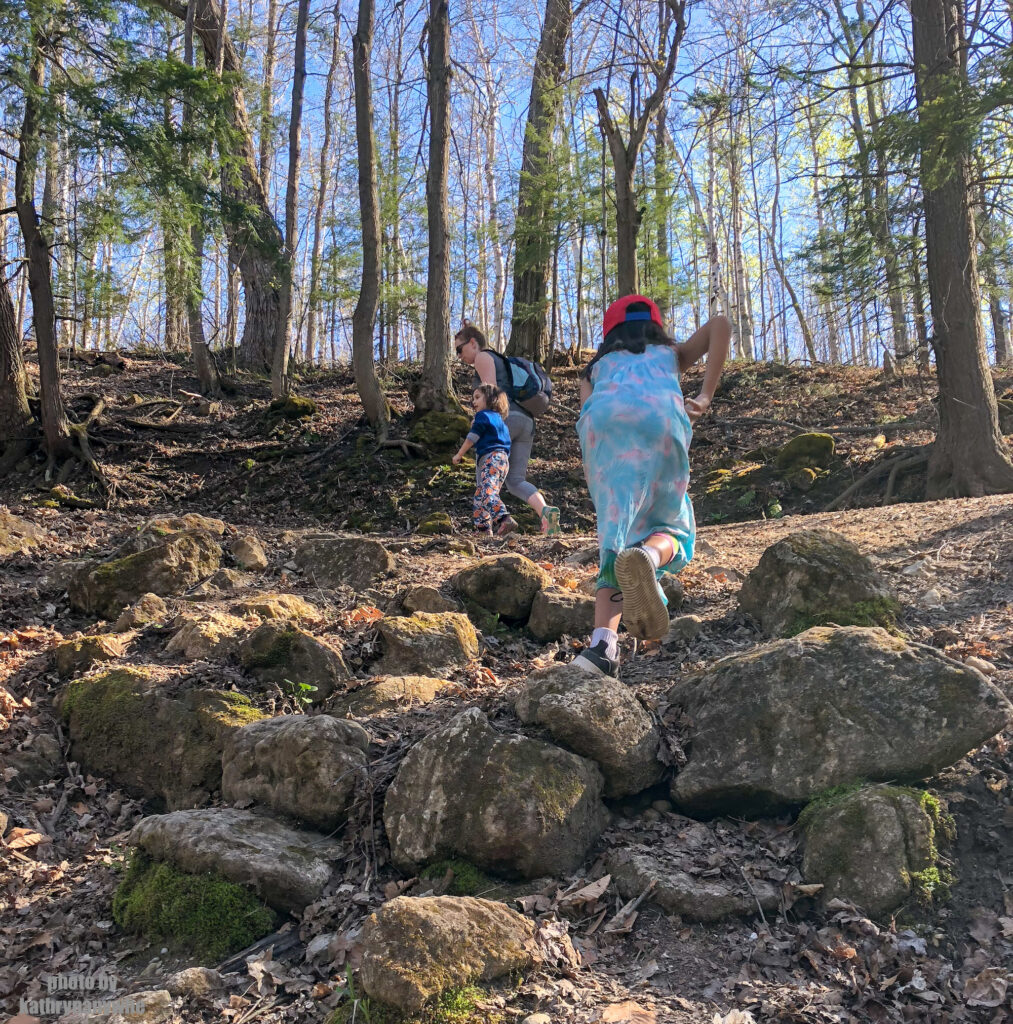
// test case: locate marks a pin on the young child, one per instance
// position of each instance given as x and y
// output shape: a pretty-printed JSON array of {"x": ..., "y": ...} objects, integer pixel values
[
  {"x": 635, "y": 430},
  {"x": 491, "y": 440}
]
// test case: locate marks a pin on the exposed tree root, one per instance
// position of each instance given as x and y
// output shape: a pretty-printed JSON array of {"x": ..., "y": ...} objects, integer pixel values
[{"x": 893, "y": 466}]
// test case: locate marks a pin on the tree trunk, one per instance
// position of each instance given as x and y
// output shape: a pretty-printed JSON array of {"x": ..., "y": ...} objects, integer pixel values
[
  {"x": 364, "y": 316},
  {"x": 434, "y": 390},
  {"x": 626, "y": 152},
  {"x": 256, "y": 245},
  {"x": 279, "y": 366},
  {"x": 969, "y": 457},
  {"x": 266, "y": 164},
  {"x": 529, "y": 334},
  {"x": 40, "y": 275},
  {"x": 318, "y": 213},
  {"x": 17, "y": 426}
]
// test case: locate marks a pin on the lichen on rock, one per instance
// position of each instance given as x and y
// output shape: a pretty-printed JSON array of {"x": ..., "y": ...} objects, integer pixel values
[
  {"x": 504, "y": 584},
  {"x": 426, "y": 642}
]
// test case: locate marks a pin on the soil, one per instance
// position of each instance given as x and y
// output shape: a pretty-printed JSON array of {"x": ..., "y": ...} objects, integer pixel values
[{"x": 950, "y": 563}]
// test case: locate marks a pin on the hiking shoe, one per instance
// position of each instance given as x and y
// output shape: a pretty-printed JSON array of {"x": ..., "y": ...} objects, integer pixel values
[
  {"x": 595, "y": 660},
  {"x": 550, "y": 521},
  {"x": 506, "y": 525},
  {"x": 645, "y": 607}
]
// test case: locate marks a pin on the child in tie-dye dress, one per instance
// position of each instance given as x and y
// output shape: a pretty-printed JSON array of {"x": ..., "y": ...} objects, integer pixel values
[{"x": 635, "y": 430}]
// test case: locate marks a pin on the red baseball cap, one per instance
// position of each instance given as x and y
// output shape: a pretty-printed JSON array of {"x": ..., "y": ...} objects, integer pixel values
[{"x": 617, "y": 313}]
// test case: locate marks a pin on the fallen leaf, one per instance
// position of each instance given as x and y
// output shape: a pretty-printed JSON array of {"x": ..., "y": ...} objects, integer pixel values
[
  {"x": 25, "y": 838},
  {"x": 987, "y": 988},
  {"x": 629, "y": 1011},
  {"x": 734, "y": 1017}
]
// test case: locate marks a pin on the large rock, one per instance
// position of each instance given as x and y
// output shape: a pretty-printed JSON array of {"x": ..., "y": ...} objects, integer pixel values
[
  {"x": 557, "y": 613},
  {"x": 427, "y": 599},
  {"x": 249, "y": 553},
  {"x": 332, "y": 561},
  {"x": 389, "y": 693},
  {"x": 280, "y": 652},
  {"x": 18, "y": 535},
  {"x": 148, "y": 609},
  {"x": 167, "y": 568},
  {"x": 505, "y": 584},
  {"x": 156, "y": 531},
  {"x": 688, "y": 893},
  {"x": 303, "y": 767},
  {"x": 122, "y": 726},
  {"x": 600, "y": 719},
  {"x": 509, "y": 804},
  {"x": 277, "y": 606},
  {"x": 214, "y": 634},
  {"x": 426, "y": 642},
  {"x": 414, "y": 948},
  {"x": 868, "y": 846},
  {"x": 806, "y": 450},
  {"x": 286, "y": 867},
  {"x": 832, "y": 706},
  {"x": 75, "y": 657},
  {"x": 814, "y": 577}
]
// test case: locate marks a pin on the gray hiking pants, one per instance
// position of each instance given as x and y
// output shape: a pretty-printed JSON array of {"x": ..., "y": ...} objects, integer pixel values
[{"x": 522, "y": 437}]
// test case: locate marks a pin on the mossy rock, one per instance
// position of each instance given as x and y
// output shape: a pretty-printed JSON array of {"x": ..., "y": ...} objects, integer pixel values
[
  {"x": 168, "y": 568},
  {"x": 280, "y": 652},
  {"x": 417, "y": 948},
  {"x": 63, "y": 495},
  {"x": 814, "y": 450},
  {"x": 293, "y": 407},
  {"x": 426, "y": 643},
  {"x": 875, "y": 846},
  {"x": 440, "y": 431},
  {"x": 203, "y": 915},
  {"x": 121, "y": 725},
  {"x": 815, "y": 577},
  {"x": 802, "y": 478},
  {"x": 75, "y": 657},
  {"x": 435, "y": 523}
]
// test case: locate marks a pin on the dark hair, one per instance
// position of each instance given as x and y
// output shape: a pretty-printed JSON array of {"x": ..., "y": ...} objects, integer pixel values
[
  {"x": 469, "y": 332},
  {"x": 630, "y": 336},
  {"x": 495, "y": 398}
]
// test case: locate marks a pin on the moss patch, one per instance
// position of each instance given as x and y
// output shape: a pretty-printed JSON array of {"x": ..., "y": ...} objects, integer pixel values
[
  {"x": 293, "y": 407},
  {"x": 439, "y": 430},
  {"x": 206, "y": 915},
  {"x": 455, "y": 1006},
  {"x": 880, "y": 611},
  {"x": 468, "y": 880}
]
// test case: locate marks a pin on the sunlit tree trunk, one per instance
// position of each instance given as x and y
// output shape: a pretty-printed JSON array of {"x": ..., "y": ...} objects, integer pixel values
[
  {"x": 434, "y": 389},
  {"x": 532, "y": 229},
  {"x": 969, "y": 457},
  {"x": 37, "y": 251},
  {"x": 364, "y": 317}
]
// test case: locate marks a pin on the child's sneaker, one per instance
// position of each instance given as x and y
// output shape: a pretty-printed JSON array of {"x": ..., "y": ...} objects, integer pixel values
[
  {"x": 550, "y": 521},
  {"x": 596, "y": 660},
  {"x": 645, "y": 607},
  {"x": 506, "y": 525}
]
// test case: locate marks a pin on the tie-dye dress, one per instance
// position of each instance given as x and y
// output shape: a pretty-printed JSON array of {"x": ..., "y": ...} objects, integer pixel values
[{"x": 635, "y": 437}]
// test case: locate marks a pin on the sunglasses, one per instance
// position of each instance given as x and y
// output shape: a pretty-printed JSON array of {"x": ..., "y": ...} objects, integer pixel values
[{"x": 458, "y": 348}]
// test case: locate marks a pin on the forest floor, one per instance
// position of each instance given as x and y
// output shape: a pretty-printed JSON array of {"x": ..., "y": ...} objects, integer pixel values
[{"x": 163, "y": 451}]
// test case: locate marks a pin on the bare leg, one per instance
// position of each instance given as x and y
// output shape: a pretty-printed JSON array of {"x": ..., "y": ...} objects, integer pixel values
[
  {"x": 608, "y": 608},
  {"x": 537, "y": 502}
]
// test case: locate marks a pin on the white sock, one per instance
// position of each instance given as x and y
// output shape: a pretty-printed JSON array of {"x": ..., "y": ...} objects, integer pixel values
[
  {"x": 654, "y": 555},
  {"x": 611, "y": 638}
]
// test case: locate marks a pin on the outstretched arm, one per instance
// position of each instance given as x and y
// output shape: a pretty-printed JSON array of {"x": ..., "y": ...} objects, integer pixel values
[{"x": 712, "y": 340}]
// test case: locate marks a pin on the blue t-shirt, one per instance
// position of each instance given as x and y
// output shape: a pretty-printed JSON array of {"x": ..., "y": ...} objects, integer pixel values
[{"x": 489, "y": 433}]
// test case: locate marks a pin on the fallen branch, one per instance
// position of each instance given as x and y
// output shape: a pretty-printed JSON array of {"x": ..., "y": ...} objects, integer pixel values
[
  {"x": 898, "y": 466},
  {"x": 882, "y": 428}
]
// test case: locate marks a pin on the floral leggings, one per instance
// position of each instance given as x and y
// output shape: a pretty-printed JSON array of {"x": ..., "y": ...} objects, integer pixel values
[{"x": 490, "y": 472}]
